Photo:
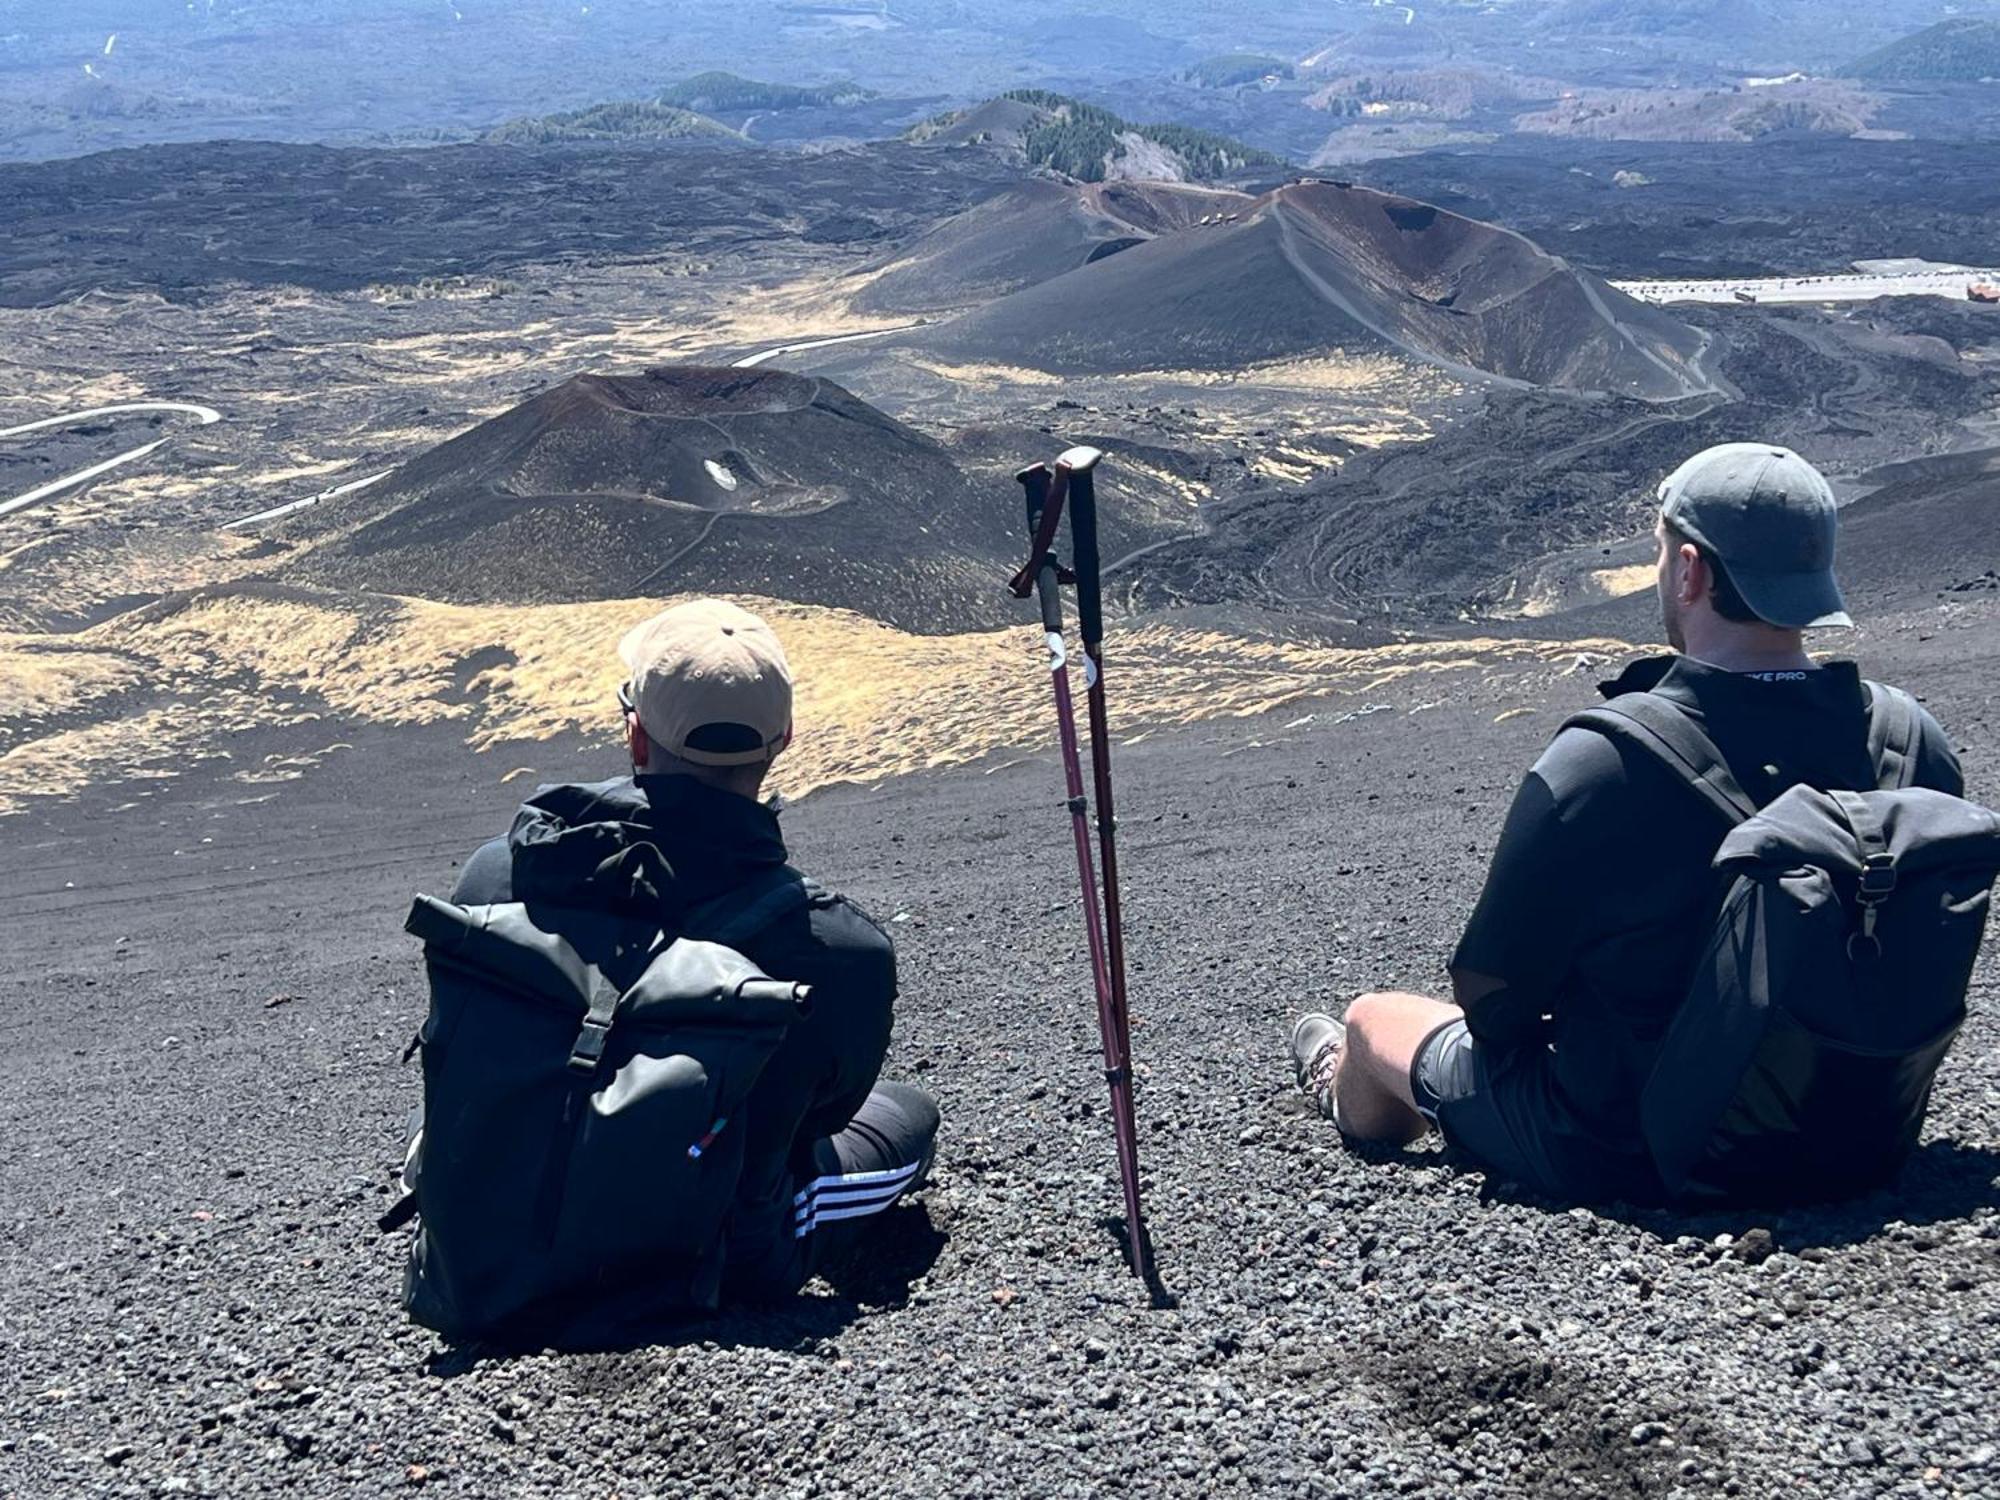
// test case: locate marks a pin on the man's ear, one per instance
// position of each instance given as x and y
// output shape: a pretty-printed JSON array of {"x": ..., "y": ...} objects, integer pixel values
[
  {"x": 636, "y": 742},
  {"x": 1694, "y": 575}
]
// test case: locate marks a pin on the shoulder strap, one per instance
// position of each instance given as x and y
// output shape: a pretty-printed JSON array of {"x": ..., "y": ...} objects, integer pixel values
[
  {"x": 1671, "y": 737},
  {"x": 739, "y": 914},
  {"x": 1895, "y": 728}
]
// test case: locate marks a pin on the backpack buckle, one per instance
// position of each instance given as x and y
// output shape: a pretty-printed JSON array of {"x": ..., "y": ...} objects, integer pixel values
[
  {"x": 1878, "y": 881},
  {"x": 1876, "y": 885},
  {"x": 588, "y": 1050}
]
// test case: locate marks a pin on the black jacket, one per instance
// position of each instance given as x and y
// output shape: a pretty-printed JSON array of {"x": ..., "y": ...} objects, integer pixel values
[
  {"x": 1600, "y": 894},
  {"x": 657, "y": 845}
]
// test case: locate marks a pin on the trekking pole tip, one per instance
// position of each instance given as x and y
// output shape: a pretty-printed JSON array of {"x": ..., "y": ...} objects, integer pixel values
[{"x": 1080, "y": 459}]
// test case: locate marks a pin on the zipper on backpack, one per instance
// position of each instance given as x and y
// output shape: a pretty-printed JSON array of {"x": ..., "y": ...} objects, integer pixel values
[{"x": 696, "y": 1151}]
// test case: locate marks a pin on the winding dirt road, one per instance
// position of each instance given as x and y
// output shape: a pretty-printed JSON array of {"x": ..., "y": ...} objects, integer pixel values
[
  {"x": 751, "y": 361},
  {"x": 205, "y": 415}
]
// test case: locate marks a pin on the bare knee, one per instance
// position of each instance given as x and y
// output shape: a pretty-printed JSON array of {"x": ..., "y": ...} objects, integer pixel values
[
  {"x": 1375, "y": 1019},
  {"x": 1384, "y": 1031}
]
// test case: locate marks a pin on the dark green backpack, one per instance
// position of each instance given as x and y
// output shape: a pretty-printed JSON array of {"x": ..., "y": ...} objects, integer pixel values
[{"x": 582, "y": 1139}]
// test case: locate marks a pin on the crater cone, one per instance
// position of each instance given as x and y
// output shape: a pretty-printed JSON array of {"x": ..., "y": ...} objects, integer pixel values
[{"x": 678, "y": 479}]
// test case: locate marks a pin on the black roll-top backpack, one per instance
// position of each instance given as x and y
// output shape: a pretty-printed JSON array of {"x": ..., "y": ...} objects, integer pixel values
[
  {"x": 1799, "y": 1065},
  {"x": 582, "y": 1136}
]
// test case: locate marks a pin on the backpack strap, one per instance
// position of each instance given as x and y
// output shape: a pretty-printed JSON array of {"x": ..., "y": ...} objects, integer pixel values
[
  {"x": 1672, "y": 738},
  {"x": 1895, "y": 730},
  {"x": 743, "y": 911}
]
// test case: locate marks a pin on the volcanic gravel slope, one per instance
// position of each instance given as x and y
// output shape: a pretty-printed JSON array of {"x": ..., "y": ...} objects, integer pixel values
[
  {"x": 682, "y": 479},
  {"x": 1031, "y": 232},
  {"x": 1936, "y": 517},
  {"x": 1437, "y": 531},
  {"x": 205, "y": 1008},
  {"x": 1320, "y": 264}
]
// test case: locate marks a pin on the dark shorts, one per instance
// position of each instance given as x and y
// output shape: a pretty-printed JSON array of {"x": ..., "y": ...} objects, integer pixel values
[{"x": 1495, "y": 1113}]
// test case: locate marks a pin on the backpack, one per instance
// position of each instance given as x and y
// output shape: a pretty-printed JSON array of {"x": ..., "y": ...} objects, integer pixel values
[
  {"x": 582, "y": 1141},
  {"x": 1799, "y": 1065}
]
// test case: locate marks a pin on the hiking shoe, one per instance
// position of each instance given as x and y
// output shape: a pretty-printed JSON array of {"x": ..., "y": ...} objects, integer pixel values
[{"x": 1316, "y": 1042}]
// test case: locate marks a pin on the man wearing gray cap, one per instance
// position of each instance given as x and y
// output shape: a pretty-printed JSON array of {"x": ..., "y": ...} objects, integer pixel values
[
  {"x": 1600, "y": 894},
  {"x": 707, "y": 708}
]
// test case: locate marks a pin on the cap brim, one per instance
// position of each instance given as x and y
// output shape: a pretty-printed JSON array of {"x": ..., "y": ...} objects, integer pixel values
[{"x": 1793, "y": 601}]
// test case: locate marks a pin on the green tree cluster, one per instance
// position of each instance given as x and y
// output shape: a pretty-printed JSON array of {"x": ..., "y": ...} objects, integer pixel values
[
  {"x": 632, "y": 120},
  {"x": 1233, "y": 69},
  {"x": 1079, "y": 140},
  {"x": 718, "y": 93}
]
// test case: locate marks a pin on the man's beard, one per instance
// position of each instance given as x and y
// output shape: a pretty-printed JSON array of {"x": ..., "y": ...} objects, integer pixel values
[{"x": 1670, "y": 621}]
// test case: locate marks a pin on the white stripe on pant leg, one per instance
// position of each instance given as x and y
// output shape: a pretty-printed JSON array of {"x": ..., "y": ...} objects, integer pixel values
[
  {"x": 829, "y": 1215},
  {"x": 839, "y": 1180},
  {"x": 882, "y": 1195},
  {"x": 826, "y": 1214},
  {"x": 852, "y": 1196},
  {"x": 811, "y": 1221},
  {"x": 843, "y": 1196}
]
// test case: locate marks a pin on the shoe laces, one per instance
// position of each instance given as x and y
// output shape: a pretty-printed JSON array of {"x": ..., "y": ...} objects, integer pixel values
[{"x": 1321, "y": 1070}]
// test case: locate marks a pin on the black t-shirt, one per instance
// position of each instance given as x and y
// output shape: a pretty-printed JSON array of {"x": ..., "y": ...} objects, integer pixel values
[{"x": 1600, "y": 893}]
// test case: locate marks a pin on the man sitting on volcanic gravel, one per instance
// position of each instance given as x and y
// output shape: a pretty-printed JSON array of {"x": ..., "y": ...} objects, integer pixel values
[
  {"x": 1581, "y": 947},
  {"x": 708, "y": 707}
]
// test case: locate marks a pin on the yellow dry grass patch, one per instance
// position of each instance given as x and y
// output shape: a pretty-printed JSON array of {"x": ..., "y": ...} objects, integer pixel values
[
  {"x": 873, "y": 701},
  {"x": 41, "y": 678},
  {"x": 1553, "y": 596},
  {"x": 1616, "y": 583},
  {"x": 793, "y": 311},
  {"x": 77, "y": 573},
  {"x": 1328, "y": 375},
  {"x": 305, "y": 469}
]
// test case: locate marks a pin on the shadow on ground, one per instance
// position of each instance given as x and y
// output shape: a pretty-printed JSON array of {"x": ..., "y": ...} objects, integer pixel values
[
  {"x": 906, "y": 1246},
  {"x": 1944, "y": 1181}
]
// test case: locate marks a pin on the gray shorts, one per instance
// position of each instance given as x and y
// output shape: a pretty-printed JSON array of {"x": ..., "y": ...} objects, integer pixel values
[{"x": 1493, "y": 1114}]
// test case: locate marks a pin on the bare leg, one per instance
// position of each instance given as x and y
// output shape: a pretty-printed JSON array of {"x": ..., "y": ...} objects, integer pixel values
[{"x": 1373, "y": 1084}]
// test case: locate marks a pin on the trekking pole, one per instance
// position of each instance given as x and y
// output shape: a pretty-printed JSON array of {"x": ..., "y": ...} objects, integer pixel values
[
  {"x": 1078, "y": 466},
  {"x": 1045, "y": 497}
]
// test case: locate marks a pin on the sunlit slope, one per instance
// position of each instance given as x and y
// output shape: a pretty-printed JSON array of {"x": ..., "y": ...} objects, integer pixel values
[
  {"x": 1317, "y": 266},
  {"x": 199, "y": 680}
]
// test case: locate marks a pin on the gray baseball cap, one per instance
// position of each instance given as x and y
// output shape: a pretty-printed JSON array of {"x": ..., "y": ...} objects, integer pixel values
[{"x": 1770, "y": 517}]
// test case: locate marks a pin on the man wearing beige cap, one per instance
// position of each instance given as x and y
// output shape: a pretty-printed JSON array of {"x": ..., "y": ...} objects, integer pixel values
[
  {"x": 1601, "y": 892},
  {"x": 707, "y": 708}
]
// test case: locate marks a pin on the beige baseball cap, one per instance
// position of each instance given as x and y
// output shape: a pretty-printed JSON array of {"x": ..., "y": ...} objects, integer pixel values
[{"x": 710, "y": 683}]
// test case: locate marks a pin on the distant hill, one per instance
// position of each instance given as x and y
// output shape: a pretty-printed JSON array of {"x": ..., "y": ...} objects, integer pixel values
[
  {"x": 1233, "y": 69},
  {"x": 1034, "y": 231},
  {"x": 680, "y": 479},
  {"x": 632, "y": 120},
  {"x": 1955, "y": 51},
  {"x": 1658, "y": 17},
  {"x": 1091, "y": 144},
  {"x": 1322, "y": 266},
  {"x": 1737, "y": 113},
  {"x": 722, "y": 93}
]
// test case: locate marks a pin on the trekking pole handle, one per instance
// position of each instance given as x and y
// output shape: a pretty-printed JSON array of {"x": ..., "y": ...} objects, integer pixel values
[
  {"x": 1034, "y": 482},
  {"x": 1049, "y": 591},
  {"x": 1079, "y": 467},
  {"x": 1045, "y": 494}
]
